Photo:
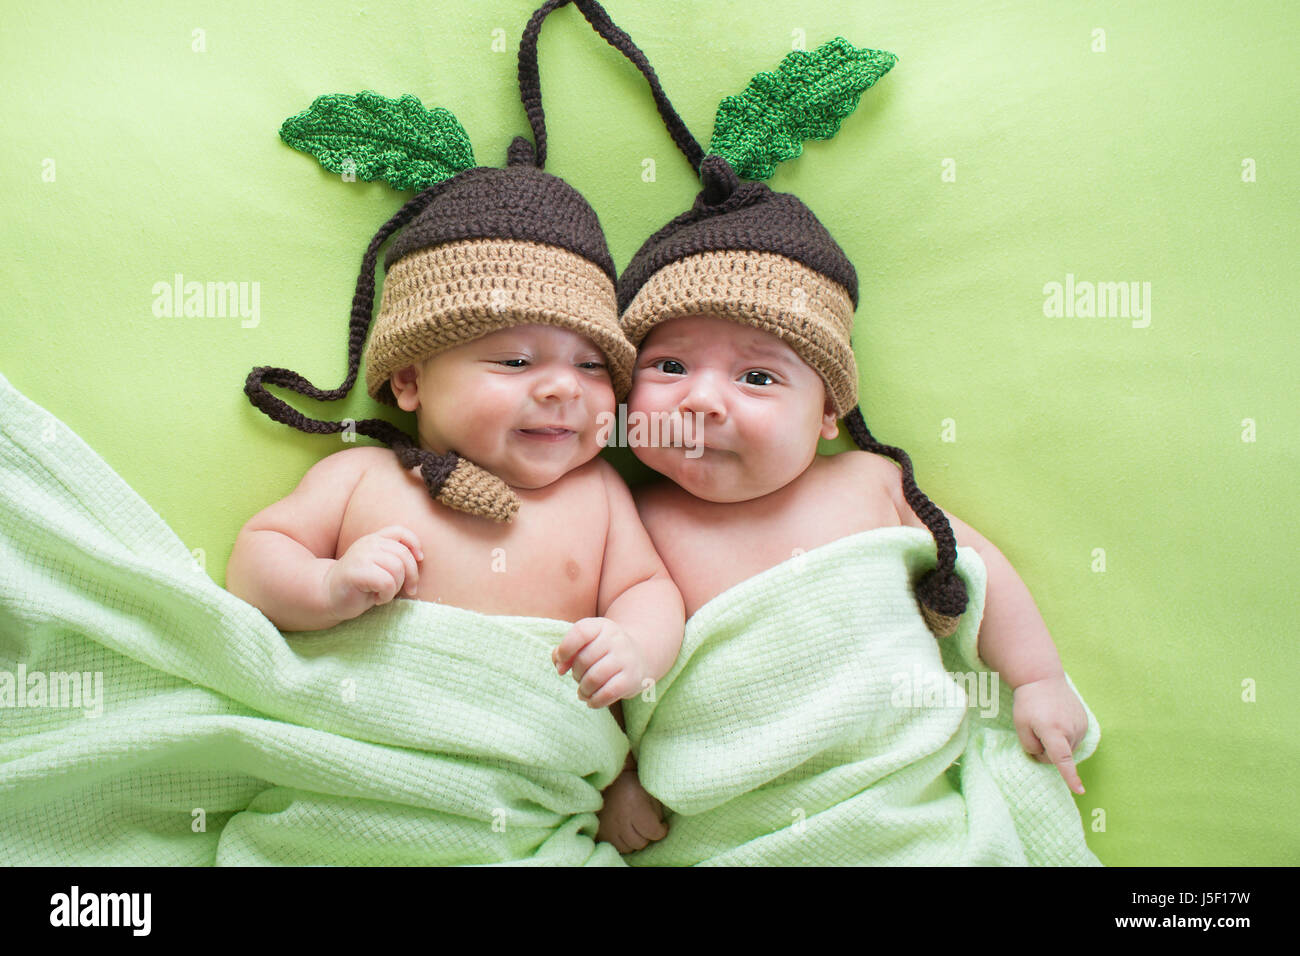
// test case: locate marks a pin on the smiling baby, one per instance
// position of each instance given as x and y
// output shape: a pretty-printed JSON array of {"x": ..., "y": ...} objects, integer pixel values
[{"x": 498, "y": 328}]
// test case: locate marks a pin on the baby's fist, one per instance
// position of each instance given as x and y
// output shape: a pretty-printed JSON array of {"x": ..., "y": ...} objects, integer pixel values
[
  {"x": 630, "y": 817},
  {"x": 373, "y": 570},
  {"x": 607, "y": 662}
]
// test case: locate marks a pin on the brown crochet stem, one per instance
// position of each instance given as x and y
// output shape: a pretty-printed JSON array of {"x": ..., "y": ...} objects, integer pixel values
[
  {"x": 530, "y": 87},
  {"x": 718, "y": 181},
  {"x": 941, "y": 589},
  {"x": 434, "y": 468}
]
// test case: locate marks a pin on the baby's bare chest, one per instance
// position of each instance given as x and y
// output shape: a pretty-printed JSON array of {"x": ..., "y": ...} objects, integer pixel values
[
  {"x": 544, "y": 563},
  {"x": 709, "y": 548}
]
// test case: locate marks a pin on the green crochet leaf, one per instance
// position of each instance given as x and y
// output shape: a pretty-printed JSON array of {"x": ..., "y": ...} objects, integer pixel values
[
  {"x": 806, "y": 97},
  {"x": 380, "y": 138}
]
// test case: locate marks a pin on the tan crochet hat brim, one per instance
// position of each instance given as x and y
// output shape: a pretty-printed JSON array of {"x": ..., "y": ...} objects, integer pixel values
[
  {"x": 447, "y": 295},
  {"x": 771, "y": 292}
]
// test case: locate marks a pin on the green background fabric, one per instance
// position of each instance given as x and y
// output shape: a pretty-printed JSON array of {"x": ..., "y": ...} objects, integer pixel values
[{"x": 1071, "y": 434}]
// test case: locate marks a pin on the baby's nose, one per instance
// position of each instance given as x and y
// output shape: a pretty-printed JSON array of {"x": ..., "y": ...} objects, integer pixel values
[
  {"x": 703, "y": 397},
  {"x": 561, "y": 383}
]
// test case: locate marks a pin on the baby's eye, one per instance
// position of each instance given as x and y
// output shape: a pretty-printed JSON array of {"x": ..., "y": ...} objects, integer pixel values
[
  {"x": 507, "y": 362},
  {"x": 761, "y": 373},
  {"x": 592, "y": 364},
  {"x": 665, "y": 363}
]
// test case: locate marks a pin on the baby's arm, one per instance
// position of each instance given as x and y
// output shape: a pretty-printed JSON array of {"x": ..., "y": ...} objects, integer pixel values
[
  {"x": 1013, "y": 637},
  {"x": 1014, "y": 641},
  {"x": 284, "y": 554},
  {"x": 639, "y": 637},
  {"x": 643, "y": 617}
]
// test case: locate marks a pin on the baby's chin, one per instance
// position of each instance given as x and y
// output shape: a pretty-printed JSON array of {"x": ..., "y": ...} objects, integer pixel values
[
  {"x": 711, "y": 476},
  {"x": 527, "y": 472}
]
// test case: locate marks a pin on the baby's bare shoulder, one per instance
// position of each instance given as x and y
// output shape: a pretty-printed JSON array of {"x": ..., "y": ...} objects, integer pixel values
[
  {"x": 851, "y": 472},
  {"x": 347, "y": 468},
  {"x": 858, "y": 464},
  {"x": 313, "y": 511},
  {"x": 872, "y": 480},
  {"x": 365, "y": 456},
  {"x": 343, "y": 469},
  {"x": 659, "y": 501}
]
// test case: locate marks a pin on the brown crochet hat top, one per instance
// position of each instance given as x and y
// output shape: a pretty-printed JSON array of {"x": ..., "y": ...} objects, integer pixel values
[
  {"x": 733, "y": 215},
  {"x": 494, "y": 249},
  {"x": 517, "y": 202}
]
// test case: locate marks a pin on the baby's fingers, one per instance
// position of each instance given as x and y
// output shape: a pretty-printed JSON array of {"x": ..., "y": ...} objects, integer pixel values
[
  {"x": 614, "y": 829},
  {"x": 1029, "y": 740},
  {"x": 647, "y": 825},
  {"x": 580, "y": 635},
  {"x": 411, "y": 573},
  {"x": 634, "y": 839},
  {"x": 392, "y": 572},
  {"x": 597, "y": 677},
  {"x": 625, "y": 841},
  {"x": 1057, "y": 749},
  {"x": 375, "y": 583},
  {"x": 616, "y": 688},
  {"x": 396, "y": 532}
]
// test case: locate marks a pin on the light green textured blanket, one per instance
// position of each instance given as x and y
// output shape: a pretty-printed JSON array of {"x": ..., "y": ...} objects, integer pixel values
[
  {"x": 148, "y": 716},
  {"x": 812, "y": 718}
]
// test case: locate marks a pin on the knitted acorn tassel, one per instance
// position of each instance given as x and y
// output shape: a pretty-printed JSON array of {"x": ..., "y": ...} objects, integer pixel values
[
  {"x": 460, "y": 484},
  {"x": 941, "y": 594}
]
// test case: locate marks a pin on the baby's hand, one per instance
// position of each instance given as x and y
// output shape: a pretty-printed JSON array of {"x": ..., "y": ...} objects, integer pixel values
[
  {"x": 373, "y": 570},
  {"x": 630, "y": 817},
  {"x": 607, "y": 663},
  {"x": 1051, "y": 721}
]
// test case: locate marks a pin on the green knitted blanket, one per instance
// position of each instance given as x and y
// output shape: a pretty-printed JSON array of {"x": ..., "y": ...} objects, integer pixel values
[
  {"x": 812, "y": 718},
  {"x": 148, "y": 716}
]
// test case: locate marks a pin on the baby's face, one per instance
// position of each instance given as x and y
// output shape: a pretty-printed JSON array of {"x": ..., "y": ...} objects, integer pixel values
[
  {"x": 761, "y": 407},
  {"x": 492, "y": 401}
]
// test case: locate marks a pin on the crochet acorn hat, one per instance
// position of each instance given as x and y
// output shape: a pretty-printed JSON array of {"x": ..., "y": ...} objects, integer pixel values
[
  {"x": 746, "y": 253},
  {"x": 483, "y": 249}
]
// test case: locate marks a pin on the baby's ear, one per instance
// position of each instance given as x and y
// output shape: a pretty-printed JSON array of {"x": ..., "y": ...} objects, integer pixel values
[
  {"x": 830, "y": 426},
  {"x": 405, "y": 386}
]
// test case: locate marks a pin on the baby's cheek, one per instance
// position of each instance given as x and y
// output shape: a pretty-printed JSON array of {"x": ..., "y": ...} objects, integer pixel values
[
  {"x": 662, "y": 460},
  {"x": 599, "y": 397},
  {"x": 645, "y": 398}
]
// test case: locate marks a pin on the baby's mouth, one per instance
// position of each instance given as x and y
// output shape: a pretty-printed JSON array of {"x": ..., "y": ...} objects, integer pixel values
[{"x": 547, "y": 434}]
